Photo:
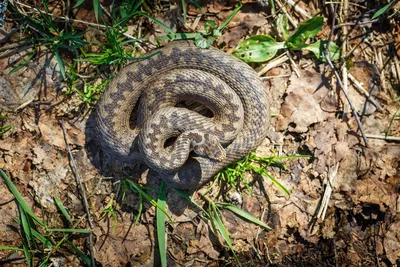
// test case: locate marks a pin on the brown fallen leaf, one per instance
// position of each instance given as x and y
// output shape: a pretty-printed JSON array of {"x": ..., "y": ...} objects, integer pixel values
[{"x": 301, "y": 106}]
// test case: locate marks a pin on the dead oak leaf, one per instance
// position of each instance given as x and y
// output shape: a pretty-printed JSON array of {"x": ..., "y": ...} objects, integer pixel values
[
  {"x": 301, "y": 106},
  {"x": 391, "y": 243},
  {"x": 52, "y": 133}
]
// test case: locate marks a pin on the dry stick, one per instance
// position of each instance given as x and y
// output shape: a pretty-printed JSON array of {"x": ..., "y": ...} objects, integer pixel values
[
  {"x": 272, "y": 64},
  {"x": 67, "y": 19},
  {"x": 358, "y": 85},
  {"x": 78, "y": 181},
  {"x": 328, "y": 191},
  {"x": 298, "y": 9},
  {"x": 382, "y": 137},
  {"x": 355, "y": 23},
  {"x": 328, "y": 59},
  {"x": 283, "y": 9},
  {"x": 344, "y": 10}
]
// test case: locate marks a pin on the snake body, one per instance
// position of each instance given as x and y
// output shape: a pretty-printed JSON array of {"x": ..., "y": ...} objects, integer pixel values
[{"x": 176, "y": 73}]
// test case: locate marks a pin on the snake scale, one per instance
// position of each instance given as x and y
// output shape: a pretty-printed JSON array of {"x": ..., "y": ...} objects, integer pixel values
[{"x": 157, "y": 86}]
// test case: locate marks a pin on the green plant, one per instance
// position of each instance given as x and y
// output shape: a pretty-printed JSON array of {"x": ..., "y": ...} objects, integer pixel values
[
  {"x": 396, "y": 116},
  {"x": 214, "y": 215},
  {"x": 47, "y": 33},
  {"x": 41, "y": 244},
  {"x": 383, "y": 10},
  {"x": 261, "y": 48},
  {"x": 161, "y": 213},
  {"x": 109, "y": 211},
  {"x": 117, "y": 49},
  {"x": 211, "y": 32},
  {"x": 90, "y": 93},
  {"x": 4, "y": 128},
  {"x": 234, "y": 174},
  {"x": 96, "y": 7}
]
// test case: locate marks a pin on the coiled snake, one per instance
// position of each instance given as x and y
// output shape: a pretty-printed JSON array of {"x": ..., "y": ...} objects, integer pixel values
[{"x": 181, "y": 72}]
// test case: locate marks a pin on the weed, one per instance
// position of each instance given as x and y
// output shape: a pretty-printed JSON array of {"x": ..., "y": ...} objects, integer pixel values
[
  {"x": 35, "y": 244},
  {"x": 233, "y": 175},
  {"x": 396, "y": 116},
  {"x": 260, "y": 48},
  {"x": 109, "y": 211},
  {"x": 90, "y": 93},
  {"x": 384, "y": 9},
  {"x": 211, "y": 32},
  {"x": 47, "y": 33},
  {"x": 4, "y": 128}
]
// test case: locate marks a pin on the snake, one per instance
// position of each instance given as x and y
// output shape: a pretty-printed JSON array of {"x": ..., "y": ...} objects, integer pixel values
[{"x": 197, "y": 111}]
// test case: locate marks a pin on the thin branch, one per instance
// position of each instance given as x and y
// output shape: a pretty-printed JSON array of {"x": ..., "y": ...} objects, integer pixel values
[
  {"x": 81, "y": 189},
  {"x": 328, "y": 59},
  {"x": 382, "y": 137},
  {"x": 371, "y": 99}
]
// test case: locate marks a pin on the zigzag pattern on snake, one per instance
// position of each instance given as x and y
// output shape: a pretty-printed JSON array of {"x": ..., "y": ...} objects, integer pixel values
[{"x": 181, "y": 72}]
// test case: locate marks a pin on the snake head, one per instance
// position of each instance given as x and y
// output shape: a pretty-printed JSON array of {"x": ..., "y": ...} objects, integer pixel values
[{"x": 208, "y": 145}]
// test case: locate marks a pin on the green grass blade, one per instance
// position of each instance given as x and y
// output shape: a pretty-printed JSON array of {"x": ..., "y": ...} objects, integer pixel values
[
  {"x": 179, "y": 36},
  {"x": 244, "y": 214},
  {"x": 26, "y": 226},
  {"x": 5, "y": 129},
  {"x": 391, "y": 122},
  {"x": 230, "y": 17},
  {"x": 156, "y": 21},
  {"x": 277, "y": 183},
  {"x": 382, "y": 10},
  {"x": 60, "y": 62},
  {"x": 26, "y": 235},
  {"x": 63, "y": 210},
  {"x": 20, "y": 199},
  {"x": 80, "y": 2},
  {"x": 184, "y": 11},
  {"x": 149, "y": 199},
  {"x": 11, "y": 248},
  {"x": 67, "y": 230},
  {"x": 45, "y": 241},
  {"x": 82, "y": 255},
  {"x": 186, "y": 196},
  {"x": 28, "y": 256},
  {"x": 161, "y": 232},
  {"x": 23, "y": 64},
  {"x": 221, "y": 228},
  {"x": 97, "y": 9}
]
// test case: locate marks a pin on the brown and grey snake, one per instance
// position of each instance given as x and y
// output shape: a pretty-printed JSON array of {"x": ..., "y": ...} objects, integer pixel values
[{"x": 177, "y": 73}]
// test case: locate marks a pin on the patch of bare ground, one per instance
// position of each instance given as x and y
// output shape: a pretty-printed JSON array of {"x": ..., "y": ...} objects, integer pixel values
[{"x": 344, "y": 207}]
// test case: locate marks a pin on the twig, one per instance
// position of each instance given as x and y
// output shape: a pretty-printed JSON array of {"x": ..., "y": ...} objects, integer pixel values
[
  {"x": 298, "y": 8},
  {"x": 291, "y": 20},
  {"x": 293, "y": 64},
  {"x": 274, "y": 77},
  {"x": 355, "y": 23},
  {"x": 328, "y": 59},
  {"x": 78, "y": 181},
  {"x": 344, "y": 11},
  {"x": 38, "y": 11},
  {"x": 15, "y": 45},
  {"x": 365, "y": 92},
  {"x": 382, "y": 137},
  {"x": 272, "y": 64},
  {"x": 67, "y": 19},
  {"x": 328, "y": 192}
]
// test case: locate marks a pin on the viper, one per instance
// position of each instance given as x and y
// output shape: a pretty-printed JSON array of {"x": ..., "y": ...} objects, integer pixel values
[{"x": 202, "y": 143}]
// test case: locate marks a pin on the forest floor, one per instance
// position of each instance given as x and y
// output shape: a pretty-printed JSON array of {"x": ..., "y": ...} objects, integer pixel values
[{"x": 344, "y": 203}]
